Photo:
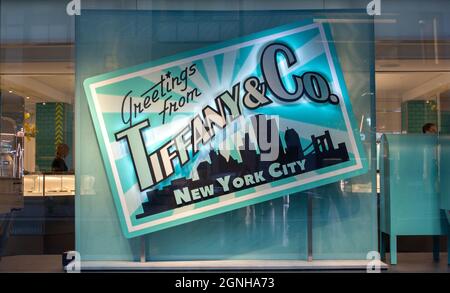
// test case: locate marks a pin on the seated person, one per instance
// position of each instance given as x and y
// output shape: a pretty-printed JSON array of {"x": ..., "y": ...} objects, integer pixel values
[{"x": 429, "y": 128}]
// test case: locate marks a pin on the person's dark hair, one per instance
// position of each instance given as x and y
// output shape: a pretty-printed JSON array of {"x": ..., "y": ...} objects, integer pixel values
[
  {"x": 62, "y": 150},
  {"x": 427, "y": 127}
]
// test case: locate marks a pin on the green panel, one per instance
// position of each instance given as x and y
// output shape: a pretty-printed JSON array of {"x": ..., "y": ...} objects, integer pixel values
[
  {"x": 417, "y": 113},
  {"x": 404, "y": 117},
  {"x": 54, "y": 123},
  {"x": 410, "y": 205},
  {"x": 444, "y": 171},
  {"x": 385, "y": 187},
  {"x": 68, "y": 133},
  {"x": 445, "y": 123},
  {"x": 45, "y": 137}
]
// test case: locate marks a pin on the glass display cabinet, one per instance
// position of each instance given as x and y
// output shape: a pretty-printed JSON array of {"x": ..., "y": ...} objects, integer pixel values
[
  {"x": 49, "y": 185},
  {"x": 33, "y": 185},
  {"x": 11, "y": 153}
]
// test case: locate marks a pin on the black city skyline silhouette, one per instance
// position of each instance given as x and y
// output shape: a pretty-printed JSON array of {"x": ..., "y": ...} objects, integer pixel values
[{"x": 322, "y": 154}]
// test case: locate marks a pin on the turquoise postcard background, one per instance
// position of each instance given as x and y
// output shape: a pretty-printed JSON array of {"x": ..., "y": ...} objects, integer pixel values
[{"x": 315, "y": 62}]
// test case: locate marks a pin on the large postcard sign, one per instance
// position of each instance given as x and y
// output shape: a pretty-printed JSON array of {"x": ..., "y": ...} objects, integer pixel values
[{"x": 224, "y": 127}]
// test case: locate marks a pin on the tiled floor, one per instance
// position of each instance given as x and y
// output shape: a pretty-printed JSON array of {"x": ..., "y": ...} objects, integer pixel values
[{"x": 407, "y": 263}]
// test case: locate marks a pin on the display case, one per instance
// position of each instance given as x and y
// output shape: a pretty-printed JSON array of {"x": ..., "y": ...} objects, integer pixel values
[
  {"x": 11, "y": 156},
  {"x": 49, "y": 185},
  {"x": 33, "y": 185}
]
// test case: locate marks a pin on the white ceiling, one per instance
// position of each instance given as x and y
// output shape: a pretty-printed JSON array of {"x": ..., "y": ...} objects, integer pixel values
[
  {"x": 41, "y": 88},
  {"x": 400, "y": 82},
  {"x": 411, "y": 79},
  {"x": 39, "y": 81}
]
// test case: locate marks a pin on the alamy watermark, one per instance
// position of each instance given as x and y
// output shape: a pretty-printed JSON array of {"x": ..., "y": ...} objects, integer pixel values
[
  {"x": 374, "y": 264},
  {"x": 73, "y": 260},
  {"x": 74, "y": 7},
  {"x": 374, "y": 7}
]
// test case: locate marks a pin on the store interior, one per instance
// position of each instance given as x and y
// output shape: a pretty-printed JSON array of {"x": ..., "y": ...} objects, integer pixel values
[
  {"x": 37, "y": 83},
  {"x": 34, "y": 84}
]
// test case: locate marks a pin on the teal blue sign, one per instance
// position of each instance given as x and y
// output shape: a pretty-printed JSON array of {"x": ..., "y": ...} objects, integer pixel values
[{"x": 227, "y": 126}]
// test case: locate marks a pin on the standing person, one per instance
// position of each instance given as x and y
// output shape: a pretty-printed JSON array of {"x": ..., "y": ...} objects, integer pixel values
[
  {"x": 429, "y": 128},
  {"x": 58, "y": 164}
]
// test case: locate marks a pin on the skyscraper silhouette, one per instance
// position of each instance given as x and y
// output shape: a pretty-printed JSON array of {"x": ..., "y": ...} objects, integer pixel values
[
  {"x": 294, "y": 148},
  {"x": 321, "y": 153}
]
